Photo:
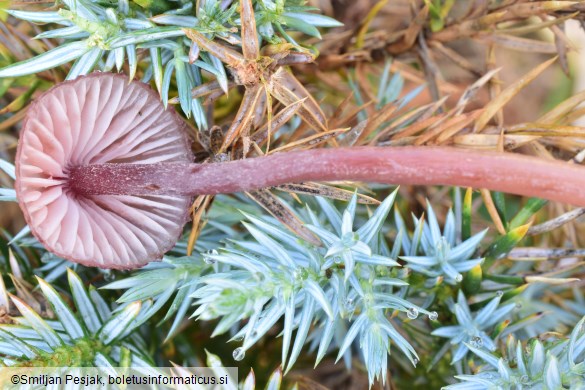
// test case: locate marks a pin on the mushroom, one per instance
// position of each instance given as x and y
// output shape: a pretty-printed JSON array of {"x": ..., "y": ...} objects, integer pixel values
[
  {"x": 105, "y": 173},
  {"x": 100, "y": 119}
]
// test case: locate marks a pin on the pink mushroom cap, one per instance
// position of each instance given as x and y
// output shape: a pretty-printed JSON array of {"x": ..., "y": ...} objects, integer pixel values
[{"x": 96, "y": 119}]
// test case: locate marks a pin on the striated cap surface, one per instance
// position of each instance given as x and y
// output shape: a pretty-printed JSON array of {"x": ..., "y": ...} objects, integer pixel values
[{"x": 96, "y": 119}]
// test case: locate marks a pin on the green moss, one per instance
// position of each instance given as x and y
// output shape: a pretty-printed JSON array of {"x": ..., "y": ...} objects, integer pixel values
[{"x": 81, "y": 354}]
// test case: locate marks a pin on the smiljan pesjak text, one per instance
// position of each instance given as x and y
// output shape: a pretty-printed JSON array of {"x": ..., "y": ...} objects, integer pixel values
[{"x": 85, "y": 380}]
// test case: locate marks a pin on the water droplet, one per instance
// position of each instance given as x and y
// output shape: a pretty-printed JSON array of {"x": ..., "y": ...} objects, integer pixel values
[
  {"x": 433, "y": 316},
  {"x": 476, "y": 342},
  {"x": 415, "y": 361},
  {"x": 524, "y": 379},
  {"x": 239, "y": 338},
  {"x": 412, "y": 313},
  {"x": 458, "y": 278},
  {"x": 518, "y": 305},
  {"x": 500, "y": 293},
  {"x": 349, "y": 304},
  {"x": 208, "y": 259},
  {"x": 239, "y": 354}
]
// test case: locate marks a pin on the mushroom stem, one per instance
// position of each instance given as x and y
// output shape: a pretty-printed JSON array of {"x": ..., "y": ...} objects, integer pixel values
[{"x": 506, "y": 172}]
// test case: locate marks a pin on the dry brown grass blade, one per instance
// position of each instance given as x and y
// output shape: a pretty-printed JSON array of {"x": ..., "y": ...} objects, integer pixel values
[
  {"x": 21, "y": 97},
  {"x": 476, "y": 8},
  {"x": 448, "y": 128},
  {"x": 310, "y": 142},
  {"x": 288, "y": 90},
  {"x": 494, "y": 84},
  {"x": 521, "y": 44},
  {"x": 228, "y": 56},
  {"x": 263, "y": 105},
  {"x": 530, "y": 28},
  {"x": 317, "y": 189},
  {"x": 450, "y": 131},
  {"x": 411, "y": 33},
  {"x": 455, "y": 57},
  {"x": 280, "y": 211},
  {"x": 562, "y": 109},
  {"x": 18, "y": 44},
  {"x": 526, "y": 10},
  {"x": 418, "y": 77},
  {"x": 25, "y": 291},
  {"x": 365, "y": 86},
  {"x": 501, "y": 144},
  {"x": 202, "y": 90},
  {"x": 334, "y": 61},
  {"x": 556, "y": 222},
  {"x": 335, "y": 120},
  {"x": 22, "y": 4},
  {"x": 567, "y": 145},
  {"x": 420, "y": 126},
  {"x": 13, "y": 120},
  {"x": 547, "y": 130},
  {"x": 470, "y": 27},
  {"x": 493, "y": 212},
  {"x": 471, "y": 91},
  {"x": 249, "y": 36},
  {"x": 343, "y": 121},
  {"x": 418, "y": 114},
  {"x": 378, "y": 119},
  {"x": 295, "y": 58},
  {"x": 542, "y": 254},
  {"x": 491, "y": 141},
  {"x": 243, "y": 117},
  {"x": 213, "y": 96},
  {"x": 507, "y": 94},
  {"x": 574, "y": 115},
  {"x": 260, "y": 136},
  {"x": 200, "y": 204}
]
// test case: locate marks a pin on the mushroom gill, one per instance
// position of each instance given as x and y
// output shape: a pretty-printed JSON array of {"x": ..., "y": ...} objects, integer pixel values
[{"x": 97, "y": 119}]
